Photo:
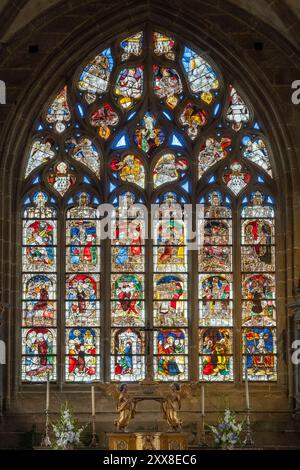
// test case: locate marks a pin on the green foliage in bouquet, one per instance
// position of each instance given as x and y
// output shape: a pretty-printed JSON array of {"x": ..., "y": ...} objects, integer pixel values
[
  {"x": 66, "y": 430},
  {"x": 227, "y": 433}
]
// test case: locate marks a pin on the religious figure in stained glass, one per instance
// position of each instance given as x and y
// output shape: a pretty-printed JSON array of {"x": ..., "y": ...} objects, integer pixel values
[
  {"x": 163, "y": 45},
  {"x": 85, "y": 152},
  {"x": 215, "y": 306},
  {"x": 170, "y": 254},
  {"x": 129, "y": 86},
  {"x": 168, "y": 168},
  {"x": 132, "y": 45},
  {"x": 259, "y": 348},
  {"x": 216, "y": 351},
  {"x": 38, "y": 346},
  {"x": 170, "y": 294},
  {"x": 211, "y": 152},
  {"x": 127, "y": 293},
  {"x": 82, "y": 361},
  {"x": 127, "y": 362},
  {"x": 200, "y": 75},
  {"x": 259, "y": 305},
  {"x": 170, "y": 345},
  {"x": 130, "y": 169},
  {"x": 238, "y": 113},
  {"x": 254, "y": 148},
  {"x": 167, "y": 85},
  {"x": 39, "y": 306},
  {"x": 82, "y": 299},
  {"x": 94, "y": 78},
  {"x": 59, "y": 112},
  {"x": 104, "y": 118},
  {"x": 41, "y": 152},
  {"x": 148, "y": 137}
]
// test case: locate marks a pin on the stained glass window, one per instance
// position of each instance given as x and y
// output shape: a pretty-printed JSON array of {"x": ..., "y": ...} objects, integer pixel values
[
  {"x": 127, "y": 292},
  {"x": 170, "y": 292},
  {"x": 39, "y": 305},
  {"x": 82, "y": 308},
  {"x": 148, "y": 120},
  {"x": 258, "y": 287},
  {"x": 216, "y": 290}
]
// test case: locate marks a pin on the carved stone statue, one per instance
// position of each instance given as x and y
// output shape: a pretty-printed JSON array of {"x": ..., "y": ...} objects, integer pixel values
[
  {"x": 125, "y": 405},
  {"x": 172, "y": 405}
]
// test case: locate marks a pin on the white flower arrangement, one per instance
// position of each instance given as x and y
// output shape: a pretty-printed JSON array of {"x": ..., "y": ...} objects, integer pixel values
[
  {"x": 227, "y": 433},
  {"x": 66, "y": 430}
]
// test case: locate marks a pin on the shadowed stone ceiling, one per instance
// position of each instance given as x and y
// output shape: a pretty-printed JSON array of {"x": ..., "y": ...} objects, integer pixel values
[{"x": 277, "y": 13}]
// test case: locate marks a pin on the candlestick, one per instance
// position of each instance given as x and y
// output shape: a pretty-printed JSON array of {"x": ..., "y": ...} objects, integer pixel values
[
  {"x": 247, "y": 386},
  {"x": 93, "y": 401},
  {"x": 48, "y": 393},
  {"x": 93, "y": 442},
  {"x": 46, "y": 441},
  {"x": 202, "y": 400}
]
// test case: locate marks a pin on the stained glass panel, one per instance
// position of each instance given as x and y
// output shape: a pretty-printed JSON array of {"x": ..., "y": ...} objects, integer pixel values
[
  {"x": 41, "y": 152},
  {"x": 238, "y": 113},
  {"x": 147, "y": 136},
  {"x": 104, "y": 118},
  {"x": 236, "y": 177},
  {"x": 82, "y": 305},
  {"x": 200, "y": 75},
  {"x": 167, "y": 85},
  {"x": 82, "y": 360},
  {"x": 130, "y": 169},
  {"x": 85, "y": 152},
  {"x": 193, "y": 118},
  {"x": 128, "y": 349},
  {"x": 211, "y": 152},
  {"x": 132, "y": 46},
  {"x": 129, "y": 86},
  {"x": 258, "y": 288},
  {"x": 169, "y": 168},
  {"x": 170, "y": 300},
  {"x": 94, "y": 78},
  {"x": 255, "y": 149},
  {"x": 170, "y": 347},
  {"x": 163, "y": 45},
  {"x": 59, "y": 112}
]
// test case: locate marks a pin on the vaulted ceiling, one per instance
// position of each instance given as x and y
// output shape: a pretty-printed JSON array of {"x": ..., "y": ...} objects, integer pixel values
[{"x": 282, "y": 15}]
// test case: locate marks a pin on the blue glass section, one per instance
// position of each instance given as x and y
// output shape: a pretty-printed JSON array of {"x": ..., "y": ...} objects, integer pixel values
[
  {"x": 112, "y": 187},
  {"x": 109, "y": 56},
  {"x": 260, "y": 179},
  {"x": 216, "y": 109},
  {"x": 186, "y": 186},
  {"x": 270, "y": 200},
  {"x": 39, "y": 127},
  {"x": 167, "y": 115},
  {"x": 176, "y": 140},
  {"x": 96, "y": 200},
  {"x": 86, "y": 179},
  {"x": 245, "y": 200},
  {"x": 121, "y": 141},
  {"x": 81, "y": 110},
  {"x": 256, "y": 126},
  {"x": 70, "y": 201},
  {"x": 211, "y": 179},
  {"x": 36, "y": 180},
  {"x": 131, "y": 115},
  {"x": 27, "y": 201}
]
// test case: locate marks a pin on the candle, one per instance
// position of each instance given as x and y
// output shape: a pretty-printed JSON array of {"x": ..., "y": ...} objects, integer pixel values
[
  {"x": 247, "y": 386},
  {"x": 202, "y": 400},
  {"x": 93, "y": 400},
  {"x": 48, "y": 393}
]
